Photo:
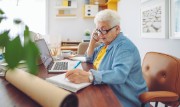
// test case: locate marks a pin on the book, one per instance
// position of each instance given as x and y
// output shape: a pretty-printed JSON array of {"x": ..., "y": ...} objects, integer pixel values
[
  {"x": 64, "y": 83},
  {"x": 69, "y": 43},
  {"x": 84, "y": 40}
]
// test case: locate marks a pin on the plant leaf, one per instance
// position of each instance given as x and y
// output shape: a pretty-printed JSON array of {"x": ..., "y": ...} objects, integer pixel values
[
  {"x": 1, "y": 12},
  {"x": 1, "y": 18},
  {"x": 13, "y": 52},
  {"x": 1, "y": 15},
  {"x": 31, "y": 56},
  {"x": 17, "y": 21},
  {"x": 26, "y": 35},
  {"x": 4, "y": 39}
]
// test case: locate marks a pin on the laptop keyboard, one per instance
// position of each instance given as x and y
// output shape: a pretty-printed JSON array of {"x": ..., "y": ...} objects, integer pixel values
[
  {"x": 50, "y": 65},
  {"x": 61, "y": 66}
]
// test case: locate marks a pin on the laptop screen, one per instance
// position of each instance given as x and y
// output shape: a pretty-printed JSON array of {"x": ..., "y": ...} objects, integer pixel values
[{"x": 44, "y": 52}]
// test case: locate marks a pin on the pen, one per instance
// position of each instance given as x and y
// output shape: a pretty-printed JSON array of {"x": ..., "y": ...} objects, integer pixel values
[{"x": 77, "y": 65}]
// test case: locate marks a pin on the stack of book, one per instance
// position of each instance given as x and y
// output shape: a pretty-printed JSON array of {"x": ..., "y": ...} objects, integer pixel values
[{"x": 69, "y": 43}]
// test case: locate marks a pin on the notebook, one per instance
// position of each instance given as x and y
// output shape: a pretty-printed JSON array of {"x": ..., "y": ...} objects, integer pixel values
[
  {"x": 64, "y": 83},
  {"x": 48, "y": 61}
]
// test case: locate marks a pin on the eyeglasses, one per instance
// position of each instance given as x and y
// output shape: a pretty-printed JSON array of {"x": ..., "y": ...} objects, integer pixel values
[{"x": 103, "y": 32}]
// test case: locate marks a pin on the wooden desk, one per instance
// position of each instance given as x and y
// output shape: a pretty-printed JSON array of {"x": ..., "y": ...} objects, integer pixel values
[
  {"x": 73, "y": 48},
  {"x": 91, "y": 96}
]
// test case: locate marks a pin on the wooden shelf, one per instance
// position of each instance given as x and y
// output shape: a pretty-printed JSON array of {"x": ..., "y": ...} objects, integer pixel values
[
  {"x": 69, "y": 45},
  {"x": 66, "y": 15},
  {"x": 88, "y": 16},
  {"x": 66, "y": 9},
  {"x": 73, "y": 48}
]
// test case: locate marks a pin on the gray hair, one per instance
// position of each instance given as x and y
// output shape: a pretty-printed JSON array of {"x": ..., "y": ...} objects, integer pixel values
[{"x": 109, "y": 16}]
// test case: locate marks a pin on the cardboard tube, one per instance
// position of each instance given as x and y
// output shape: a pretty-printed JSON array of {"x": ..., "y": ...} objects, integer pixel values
[{"x": 43, "y": 92}]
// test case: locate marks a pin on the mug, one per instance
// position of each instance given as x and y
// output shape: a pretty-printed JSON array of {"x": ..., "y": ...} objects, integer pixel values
[
  {"x": 1, "y": 57},
  {"x": 66, "y": 53}
]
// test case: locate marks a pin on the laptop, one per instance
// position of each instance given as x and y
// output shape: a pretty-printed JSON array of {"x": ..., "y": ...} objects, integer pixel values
[{"x": 48, "y": 61}]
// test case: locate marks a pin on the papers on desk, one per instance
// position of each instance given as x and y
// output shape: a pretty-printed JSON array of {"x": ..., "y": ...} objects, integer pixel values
[
  {"x": 3, "y": 67},
  {"x": 5, "y": 64},
  {"x": 79, "y": 58},
  {"x": 62, "y": 82},
  {"x": 2, "y": 71},
  {"x": 72, "y": 64}
]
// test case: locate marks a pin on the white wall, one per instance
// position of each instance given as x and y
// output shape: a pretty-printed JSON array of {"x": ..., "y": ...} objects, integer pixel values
[
  {"x": 129, "y": 11},
  {"x": 32, "y": 12},
  {"x": 71, "y": 29}
]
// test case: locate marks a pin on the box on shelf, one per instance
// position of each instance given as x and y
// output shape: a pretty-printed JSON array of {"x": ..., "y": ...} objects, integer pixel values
[
  {"x": 90, "y": 10},
  {"x": 69, "y": 2},
  {"x": 65, "y": 2}
]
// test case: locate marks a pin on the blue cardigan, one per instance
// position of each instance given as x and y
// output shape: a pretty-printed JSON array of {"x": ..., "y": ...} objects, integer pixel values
[{"x": 121, "y": 70}]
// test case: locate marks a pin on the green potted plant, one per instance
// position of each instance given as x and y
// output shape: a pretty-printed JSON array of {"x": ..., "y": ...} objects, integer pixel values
[
  {"x": 15, "y": 50},
  {"x": 87, "y": 34}
]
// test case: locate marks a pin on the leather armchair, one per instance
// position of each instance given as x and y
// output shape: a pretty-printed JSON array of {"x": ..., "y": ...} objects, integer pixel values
[
  {"x": 82, "y": 48},
  {"x": 162, "y": 75}
]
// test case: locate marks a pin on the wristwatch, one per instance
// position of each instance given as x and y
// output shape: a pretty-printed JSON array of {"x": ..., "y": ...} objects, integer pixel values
[{"x": 90, "y": 77}]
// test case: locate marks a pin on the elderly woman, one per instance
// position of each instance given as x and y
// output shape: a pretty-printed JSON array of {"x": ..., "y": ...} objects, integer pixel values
[{"x": 117, "y": 61}]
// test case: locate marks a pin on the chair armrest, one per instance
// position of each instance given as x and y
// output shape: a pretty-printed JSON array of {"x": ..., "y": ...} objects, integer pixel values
[{"x": 160, "y": 96}]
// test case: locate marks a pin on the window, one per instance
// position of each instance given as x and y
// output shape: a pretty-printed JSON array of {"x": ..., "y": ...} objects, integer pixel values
[{"x": 32, "y": 12}]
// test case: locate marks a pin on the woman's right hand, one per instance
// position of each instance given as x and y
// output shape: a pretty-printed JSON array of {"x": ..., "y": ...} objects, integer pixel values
[{"x": 95, "y": 37}]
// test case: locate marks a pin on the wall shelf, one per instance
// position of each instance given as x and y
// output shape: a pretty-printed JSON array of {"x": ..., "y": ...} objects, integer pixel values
[
  {"x": 66, "y": 8},
  {"x": 66, "y": 17}
]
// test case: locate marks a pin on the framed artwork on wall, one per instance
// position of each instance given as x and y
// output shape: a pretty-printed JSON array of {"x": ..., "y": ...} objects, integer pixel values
[
  {"x": 154, "y": 19},
  {"x": 175, "y": 19}
]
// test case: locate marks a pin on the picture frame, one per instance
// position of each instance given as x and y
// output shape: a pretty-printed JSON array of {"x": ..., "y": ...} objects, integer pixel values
[
  {"x": 154, "y": 19},
  {"x": 175, "y": 19}
]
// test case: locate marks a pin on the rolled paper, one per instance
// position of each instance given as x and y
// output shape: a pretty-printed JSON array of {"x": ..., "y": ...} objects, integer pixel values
[{"x": 41, "y": 91}]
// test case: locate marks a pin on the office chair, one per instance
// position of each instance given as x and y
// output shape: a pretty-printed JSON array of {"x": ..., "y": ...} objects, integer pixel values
[
  {"x": 83, "y": 47},
  {"x": 162, "y": 75}
]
